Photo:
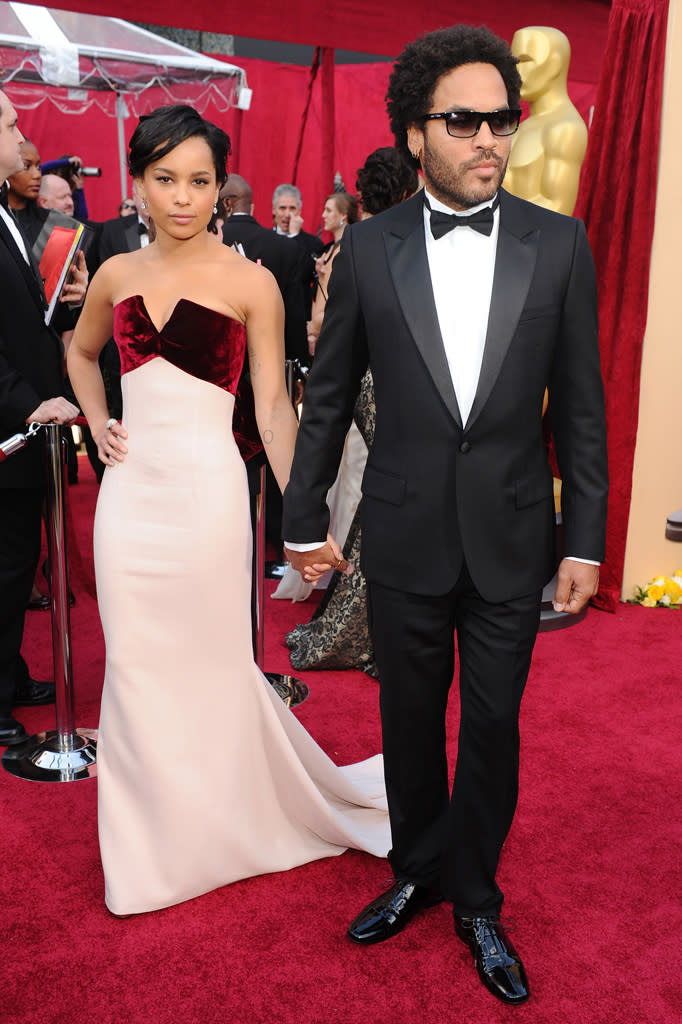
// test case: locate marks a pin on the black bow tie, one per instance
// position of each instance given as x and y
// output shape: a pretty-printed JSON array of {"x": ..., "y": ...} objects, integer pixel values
[
  {"x": 142, "y": 228},
  {"x": 481, "y": 221},
  {"x": 4, "y": 201}
]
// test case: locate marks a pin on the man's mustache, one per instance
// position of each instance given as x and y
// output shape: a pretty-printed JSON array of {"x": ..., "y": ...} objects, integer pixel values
[{"x": 485, "y": 157}]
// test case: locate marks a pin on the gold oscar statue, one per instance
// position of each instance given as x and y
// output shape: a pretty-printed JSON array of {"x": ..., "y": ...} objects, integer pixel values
[{"x": 549, "y": 147}]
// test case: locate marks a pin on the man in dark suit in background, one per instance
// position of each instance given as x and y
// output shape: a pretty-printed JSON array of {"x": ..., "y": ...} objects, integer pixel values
[
  {"x": 274, "y": 252},
  {"x": 288, "y": 222},
  {"x": 123, "y": 234},
  {"x": 281, "y": 259},
  {"x": 31, "y": 389},
  {"x": 467, "y": 303},
  {"x": 120, "y": 234}
]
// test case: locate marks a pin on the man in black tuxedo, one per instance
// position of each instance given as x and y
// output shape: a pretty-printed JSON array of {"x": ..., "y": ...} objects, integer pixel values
[
  {"x": 288, "y": 222},
  {"x": 275, "y": 253},
  {"x": 120, "y": 234},
  {"x": 466, "y": 303},
  {"x": 281, "y": 259},
  {"x": 123, "y": 234},
  {"x": 31, "y": 389}
]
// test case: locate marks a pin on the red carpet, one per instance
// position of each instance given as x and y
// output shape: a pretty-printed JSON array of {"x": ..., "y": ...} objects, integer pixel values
[{"x": 591, "y": 869}]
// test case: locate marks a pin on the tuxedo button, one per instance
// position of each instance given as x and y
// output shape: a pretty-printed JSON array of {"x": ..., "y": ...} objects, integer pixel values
[{"x": 465, "y": 447}]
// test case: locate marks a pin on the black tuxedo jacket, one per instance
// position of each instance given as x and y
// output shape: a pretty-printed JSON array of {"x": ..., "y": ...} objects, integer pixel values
[
  {"x": 281, "y": 259},
  {"x": 307, "y": 248},
  {"x": 30, "y": 361},
  {"x": 437, "y": 492},
  {"x": 121, "y": 234}
]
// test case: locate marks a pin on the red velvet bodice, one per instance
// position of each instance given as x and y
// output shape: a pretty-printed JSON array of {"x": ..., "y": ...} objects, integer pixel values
[{"x": 201, "y": 341}]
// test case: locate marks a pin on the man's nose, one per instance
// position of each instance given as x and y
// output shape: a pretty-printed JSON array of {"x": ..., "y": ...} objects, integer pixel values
[{"x": 485, "y": 138}]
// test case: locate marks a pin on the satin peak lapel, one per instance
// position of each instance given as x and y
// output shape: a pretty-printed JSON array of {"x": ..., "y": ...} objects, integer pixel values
[
  {"x": 514, "y": 268},
  {"x": 409, "y": 268}
]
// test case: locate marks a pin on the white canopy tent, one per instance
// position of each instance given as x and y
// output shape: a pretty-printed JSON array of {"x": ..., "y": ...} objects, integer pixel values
[{"x": 85, "y": 60}]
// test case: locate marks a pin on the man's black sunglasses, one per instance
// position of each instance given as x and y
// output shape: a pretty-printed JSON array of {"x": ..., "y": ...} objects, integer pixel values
[{"x": 464, "y": 124}]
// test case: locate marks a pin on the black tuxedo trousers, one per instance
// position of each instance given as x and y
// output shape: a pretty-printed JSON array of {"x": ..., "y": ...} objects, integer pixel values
[
  {"x": 451, "y": 841},
  {"x": 458, "y": 518},
  {"x": 30, "y": 371}
]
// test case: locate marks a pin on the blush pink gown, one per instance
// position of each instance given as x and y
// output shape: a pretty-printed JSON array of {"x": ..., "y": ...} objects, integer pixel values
[{"x": 204, "y": 776}]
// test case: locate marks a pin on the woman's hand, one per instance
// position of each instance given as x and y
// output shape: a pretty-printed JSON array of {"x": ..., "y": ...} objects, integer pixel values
[
  {"x": 312, "y": 337},
  {"x": 323, "y": 267},
  {"x": 110, "y": 442}
]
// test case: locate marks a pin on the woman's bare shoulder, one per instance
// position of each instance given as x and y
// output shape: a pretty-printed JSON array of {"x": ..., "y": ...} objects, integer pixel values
[{"x": 244, "y": 282}]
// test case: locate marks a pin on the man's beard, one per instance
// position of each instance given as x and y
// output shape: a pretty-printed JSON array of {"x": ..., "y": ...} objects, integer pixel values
[{"x": 447, "y": 183}]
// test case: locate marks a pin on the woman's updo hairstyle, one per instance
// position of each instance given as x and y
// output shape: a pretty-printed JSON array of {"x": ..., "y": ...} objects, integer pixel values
[
  {"x": 165, "y": 128},
  {"x": 385, "y": 179}
]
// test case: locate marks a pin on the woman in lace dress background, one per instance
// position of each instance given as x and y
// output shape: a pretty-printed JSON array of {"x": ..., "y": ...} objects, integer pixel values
[{"x": 337, "y": 636}]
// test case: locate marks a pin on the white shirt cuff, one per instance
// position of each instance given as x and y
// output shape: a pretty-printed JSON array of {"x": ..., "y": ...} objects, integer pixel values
[
  {"x": 304, "y": 547},
  {"x": 585, "y": 561}
]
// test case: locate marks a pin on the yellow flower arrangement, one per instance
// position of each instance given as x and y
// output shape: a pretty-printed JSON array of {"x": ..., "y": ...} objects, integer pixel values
[{"x": 662, "y": 592}]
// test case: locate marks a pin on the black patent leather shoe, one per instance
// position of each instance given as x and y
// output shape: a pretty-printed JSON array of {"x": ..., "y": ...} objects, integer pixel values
[
  {"x": 497, "y": 962},
  {"x": 388, "y": 914},
  {"x": 11, "y": 731},
  {"x": 39, "y": 603},
  {"x": 32, "y": 692}
]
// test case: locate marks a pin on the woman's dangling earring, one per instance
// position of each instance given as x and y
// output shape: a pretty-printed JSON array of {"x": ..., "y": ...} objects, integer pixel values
[
  {"x": 143, "y": 204},
  {"x": 215, "y": 208},
  {"x": 342, "y": 221}
]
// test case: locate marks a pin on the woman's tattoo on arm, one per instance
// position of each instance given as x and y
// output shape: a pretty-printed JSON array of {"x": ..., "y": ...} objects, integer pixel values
[
  {"x": 268, "y": 437},
  {"x": 254, "y": 364}
]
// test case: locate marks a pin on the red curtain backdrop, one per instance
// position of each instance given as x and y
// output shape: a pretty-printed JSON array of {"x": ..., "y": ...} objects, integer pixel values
[
  {"x": 617, "y": 200},
  {"x": 265, "y": 138},
  {"x": 380, "y": 28}
]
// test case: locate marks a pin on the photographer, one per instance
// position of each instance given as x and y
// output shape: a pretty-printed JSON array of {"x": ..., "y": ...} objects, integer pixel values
[{"x": 71, "y": 169}]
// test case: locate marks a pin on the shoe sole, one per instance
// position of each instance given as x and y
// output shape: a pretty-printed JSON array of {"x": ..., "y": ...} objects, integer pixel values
[
  {"x": 33, "y": 703},
  {"x": 15, "y": 742}
]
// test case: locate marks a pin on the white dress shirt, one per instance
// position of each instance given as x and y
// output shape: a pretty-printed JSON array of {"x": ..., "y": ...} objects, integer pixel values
[{"x": 462, "y": 265}]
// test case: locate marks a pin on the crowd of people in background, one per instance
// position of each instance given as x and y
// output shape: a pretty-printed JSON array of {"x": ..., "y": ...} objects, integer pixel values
[{"x": 301, "y": 262}]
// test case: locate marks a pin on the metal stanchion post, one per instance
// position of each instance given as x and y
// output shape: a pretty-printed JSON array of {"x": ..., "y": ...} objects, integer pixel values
[{"x": 66, "y": 754}]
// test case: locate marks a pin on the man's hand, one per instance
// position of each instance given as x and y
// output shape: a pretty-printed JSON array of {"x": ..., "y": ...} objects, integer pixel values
[
  {"x": 313, "y": 564},
  {"x": 577, "y": 582},
  {"x": 76, "y": 285},
  {"x": 295, "y": 224},
  {"x": 54, "y": 410}
]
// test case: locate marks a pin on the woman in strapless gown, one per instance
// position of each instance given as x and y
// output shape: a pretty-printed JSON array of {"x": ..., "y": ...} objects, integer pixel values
[{"x": 204, "y": 776}]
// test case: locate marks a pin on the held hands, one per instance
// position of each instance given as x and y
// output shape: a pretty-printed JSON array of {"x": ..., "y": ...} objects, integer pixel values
[
  {"x": 110, "y": 442},
  {"x": 577, "y": 582},
  {"x": 313, "y": 564},
  {"x": 54, "y": 410},
  {"x": 77, "y": 283}
]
